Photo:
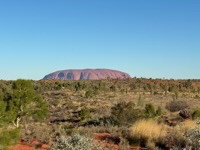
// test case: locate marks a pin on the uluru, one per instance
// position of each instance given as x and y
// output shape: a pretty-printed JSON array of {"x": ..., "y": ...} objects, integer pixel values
[{"x": 86, "y": 74}]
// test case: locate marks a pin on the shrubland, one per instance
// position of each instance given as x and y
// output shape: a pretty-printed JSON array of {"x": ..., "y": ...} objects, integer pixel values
[{"x": 151, "y": 113}]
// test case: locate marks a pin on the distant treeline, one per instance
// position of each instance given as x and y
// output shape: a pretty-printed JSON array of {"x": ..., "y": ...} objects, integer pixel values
[{"x": 154, "y": 86}]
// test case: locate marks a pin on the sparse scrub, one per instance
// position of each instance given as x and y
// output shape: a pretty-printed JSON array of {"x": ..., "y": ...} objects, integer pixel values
[
  {"x": 193, "y": 138},
  {"x": 176, "y": 137},
  {"x": 75, "y": 142},
  {"x": 89, "y": 107}
]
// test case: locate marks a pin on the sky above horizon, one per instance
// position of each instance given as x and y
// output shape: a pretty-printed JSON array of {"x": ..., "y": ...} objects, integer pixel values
[{"x": 150, "y": 39}]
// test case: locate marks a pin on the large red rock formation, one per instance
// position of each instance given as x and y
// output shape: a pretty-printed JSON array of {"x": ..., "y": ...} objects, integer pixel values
[{"x": 86, "y": 74}]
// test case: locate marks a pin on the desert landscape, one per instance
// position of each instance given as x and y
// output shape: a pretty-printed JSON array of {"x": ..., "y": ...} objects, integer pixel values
[
  {"x": 113, "y": 114},
  {"x": 99, "y": 75}
]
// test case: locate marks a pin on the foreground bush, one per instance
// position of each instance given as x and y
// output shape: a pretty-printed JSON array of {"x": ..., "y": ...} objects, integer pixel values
[
  {"x": 176, "y": 137},
  {"x": 9, "y": 137},
  {"x": 75, "y": 142},
  {"x": 193, "y": 138}
]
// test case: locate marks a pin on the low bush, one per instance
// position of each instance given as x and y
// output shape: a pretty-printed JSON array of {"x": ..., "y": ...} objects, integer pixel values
[
  {"x": 9, "y": 137},
  {"x": 84, "y": 114},
  {"x": 193, "y": 138},
  {"x": 176, "y": 137},
  {"x": 174, "y": 106},
  {"x": 150, "y": 111},
  {"x": 196, "y": 114},
  {"x": 75, "y": 142},
  {"x": 125, "y": 113}
]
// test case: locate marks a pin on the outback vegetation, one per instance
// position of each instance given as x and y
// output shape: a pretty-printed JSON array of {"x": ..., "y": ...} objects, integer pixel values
[{"x": 100, "y": 114}]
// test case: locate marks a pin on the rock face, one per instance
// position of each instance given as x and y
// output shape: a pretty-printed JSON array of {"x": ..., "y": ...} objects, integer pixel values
[{"x": 86, "y": 74}]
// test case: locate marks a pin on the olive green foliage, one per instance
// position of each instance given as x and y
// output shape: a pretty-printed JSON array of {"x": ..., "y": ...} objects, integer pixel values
[
  {"x": 2, "y": 111},
  {"x": 150, "y": 111},
  {"x": 159, "y": 111},
  {"x": 22, "y": 103},
  {"x": 196, "y": 114},
  {"x": 89, "y": 94},
  {"x": 125, "y": 113},
  {"x": 9, "y": 137},
  {"x": 84, "y": 114}
]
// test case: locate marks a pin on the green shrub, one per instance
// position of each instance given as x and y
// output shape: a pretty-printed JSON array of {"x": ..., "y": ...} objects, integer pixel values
[
  {"x": 9, "y": 137},
  {"x": 125, "y": 113},
  {"x": 150, "y": 111},
  {"x": 196, "y": 114},
  {"x": 159, "y": 111},
  {"x": 84, "y": 114},
  {"x": 89, "y": 94}
]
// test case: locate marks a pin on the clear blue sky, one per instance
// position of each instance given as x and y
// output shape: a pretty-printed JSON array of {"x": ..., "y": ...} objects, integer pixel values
[{"x": 145, "y": 38}]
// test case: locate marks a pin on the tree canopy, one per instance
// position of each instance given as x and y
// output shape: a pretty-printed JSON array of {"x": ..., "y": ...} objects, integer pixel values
[{"x": 22, "y": 103}]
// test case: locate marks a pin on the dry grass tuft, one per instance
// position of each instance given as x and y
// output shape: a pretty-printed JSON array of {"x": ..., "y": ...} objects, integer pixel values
[
  {"x": 185, "y": 126},
  {"x": 149, "y": 129}
]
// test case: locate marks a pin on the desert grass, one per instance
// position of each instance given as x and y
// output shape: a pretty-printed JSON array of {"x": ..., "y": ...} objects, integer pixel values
[
  {"x": 149, "y": 129},
  {"x": 184, "y": 127}
]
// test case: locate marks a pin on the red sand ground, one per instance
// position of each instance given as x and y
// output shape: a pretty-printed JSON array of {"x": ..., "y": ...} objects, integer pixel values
[
  {"x": 104, "y": 139},
  {"x": 31, "y": 146}
]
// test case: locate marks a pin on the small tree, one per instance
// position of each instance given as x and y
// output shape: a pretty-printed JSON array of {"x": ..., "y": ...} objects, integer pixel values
[{"x": 24, "y": 102}]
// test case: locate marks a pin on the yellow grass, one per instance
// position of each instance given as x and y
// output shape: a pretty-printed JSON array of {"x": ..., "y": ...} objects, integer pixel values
[
  {"x": 149, "y": 129},
  {"x": 185, "y": 126}
]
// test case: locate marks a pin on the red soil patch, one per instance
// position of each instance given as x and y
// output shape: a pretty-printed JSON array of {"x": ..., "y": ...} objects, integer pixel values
[
  {"x": 111, "y": 143},
  {"x": 34, "y": 145}
]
